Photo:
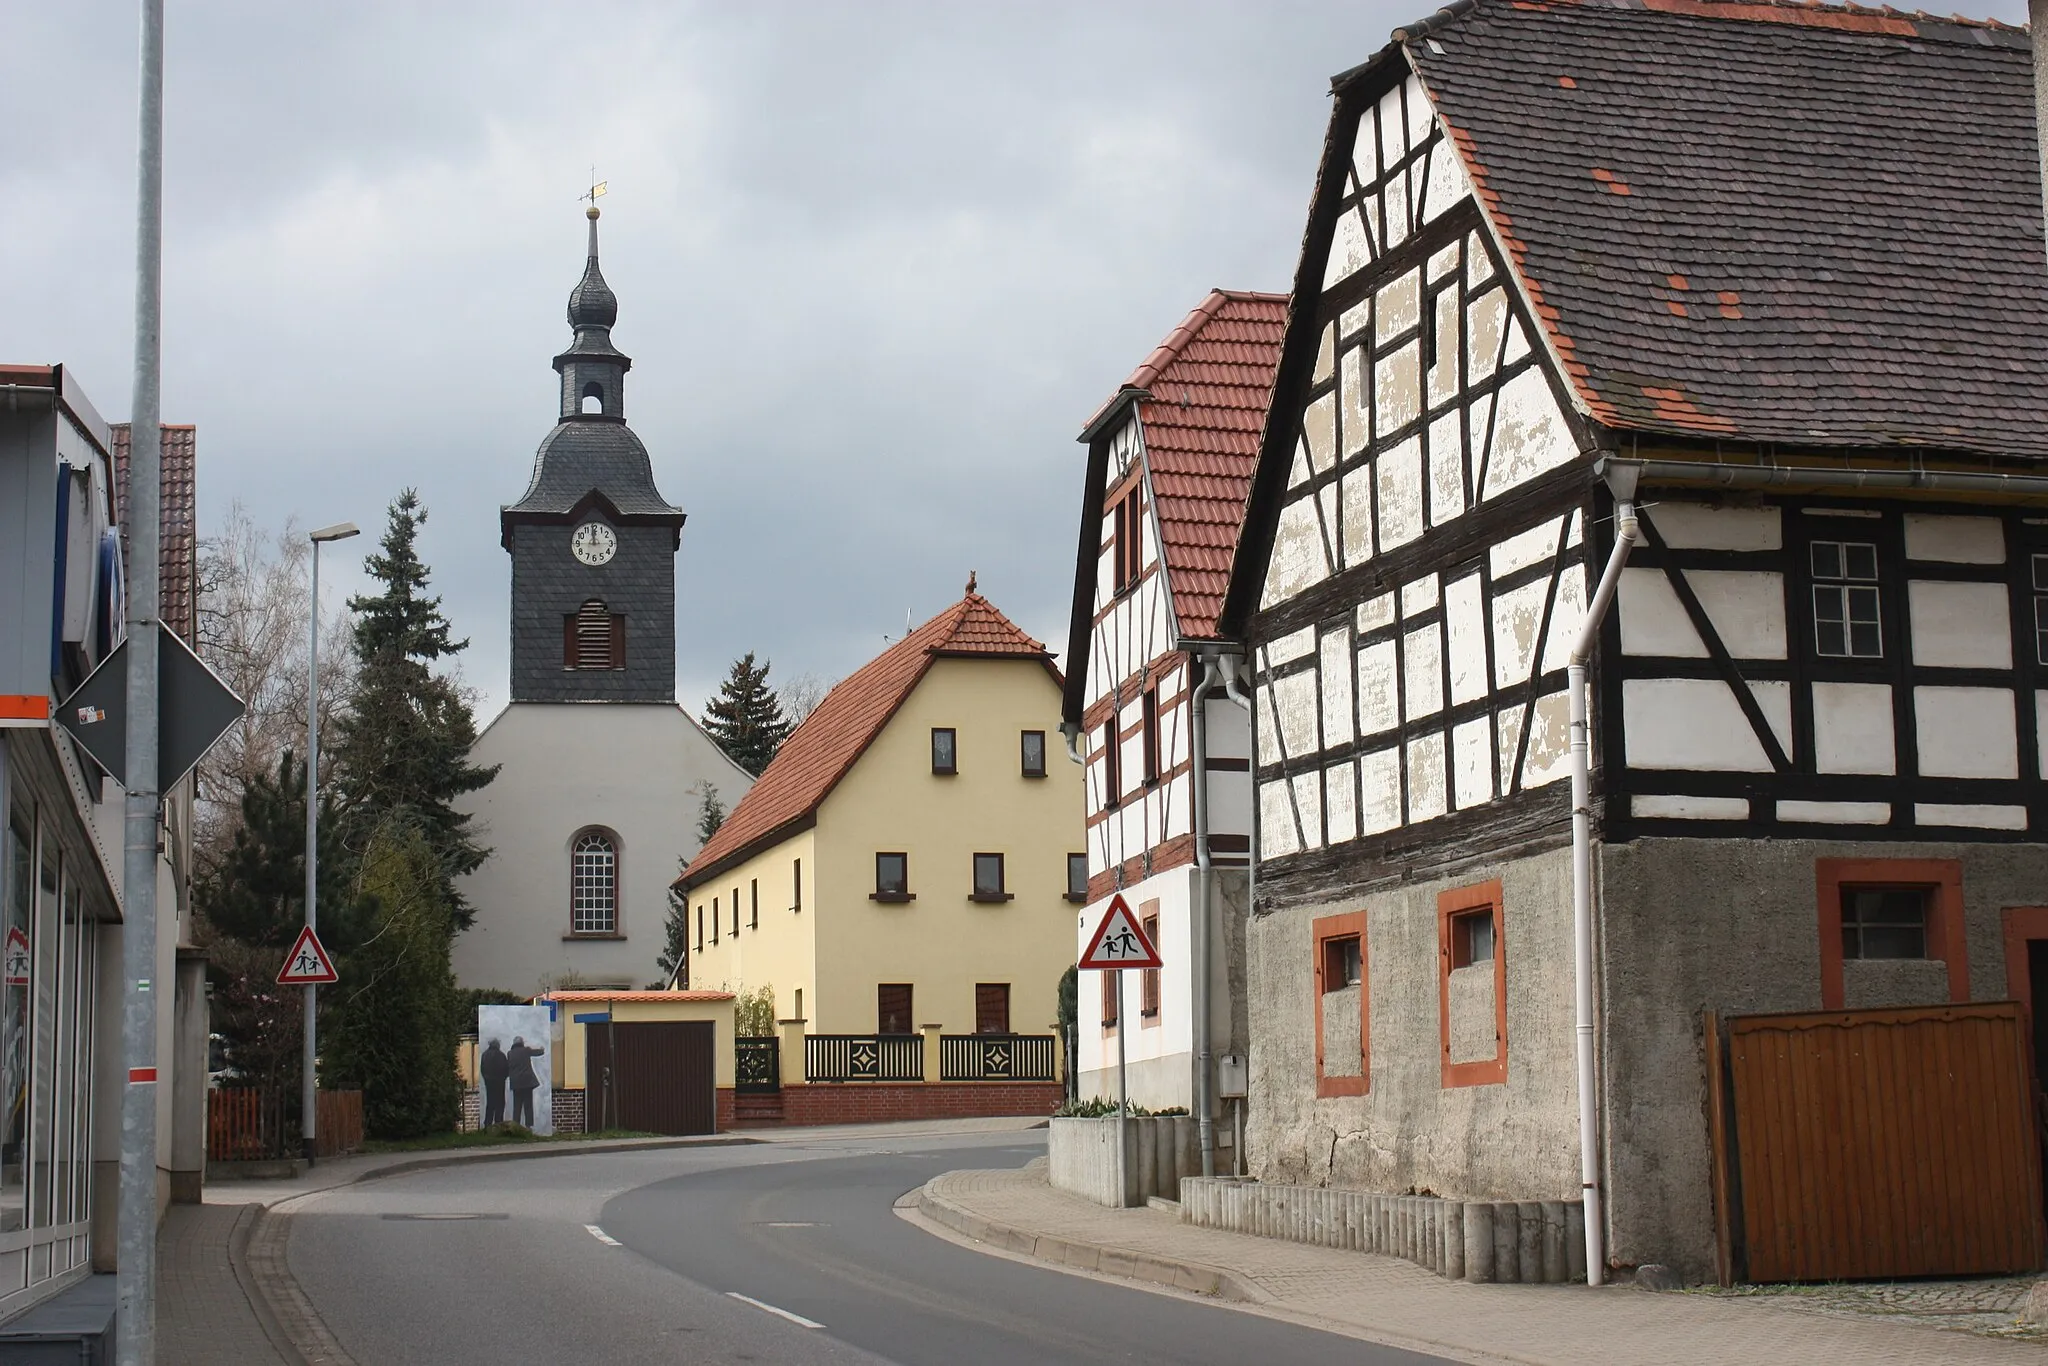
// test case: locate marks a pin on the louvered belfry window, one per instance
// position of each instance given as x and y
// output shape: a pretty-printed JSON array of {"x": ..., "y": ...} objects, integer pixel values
[
  {"x": 594, "y": 638},
  {"x": 594, "y": 884}
]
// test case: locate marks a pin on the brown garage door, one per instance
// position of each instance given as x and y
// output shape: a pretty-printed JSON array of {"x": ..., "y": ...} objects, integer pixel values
[
  {"x": 1884, "y": 1143},
  {"x": 655, "y": 1076}
]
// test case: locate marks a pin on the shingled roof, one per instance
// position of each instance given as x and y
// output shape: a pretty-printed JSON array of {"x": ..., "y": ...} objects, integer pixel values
[
  {"x": 821, "y": 751},
  {"x": 1784, "y": 223},
  {"x": 177, "y": 520}
]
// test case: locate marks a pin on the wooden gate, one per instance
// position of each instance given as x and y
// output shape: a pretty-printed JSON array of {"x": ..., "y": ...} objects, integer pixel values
[
  {"x": 1877, "y": 1144},
  {"x": 660, "y": 1080}
]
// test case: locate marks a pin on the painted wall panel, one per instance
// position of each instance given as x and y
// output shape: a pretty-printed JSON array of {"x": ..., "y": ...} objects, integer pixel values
[
  {"x": 1954, "y": 540},
  {"x": 1966, "y": 732},
  {"x": 1548, "y": 759},
  {"x": 1698, "y": 526},
  {"x": 1688, "y": 723},
  {"x": 1852, "y": 728},
  {"x": 1746, "y": 609},
  {"x": 1836, "y": 813},
  {"x": 1654, "y": 806},
  {"x": 1960, "y": 625},
  {"x": 1653, "y": 622},
  {"x": 1978, "y": 817}
]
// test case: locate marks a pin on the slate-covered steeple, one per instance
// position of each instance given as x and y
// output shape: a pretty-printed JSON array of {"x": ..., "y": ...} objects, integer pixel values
[
  {"x": 592, "y": 469},
  {"x": 592, "y": 367}
]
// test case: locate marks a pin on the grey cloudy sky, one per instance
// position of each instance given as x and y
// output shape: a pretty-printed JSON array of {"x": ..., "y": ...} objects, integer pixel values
[{"x": 876, "y": 263}]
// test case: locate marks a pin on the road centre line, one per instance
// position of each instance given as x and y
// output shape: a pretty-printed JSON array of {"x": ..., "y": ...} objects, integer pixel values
[
  {"x": 798, "y": 1319},
  {"x": 603, "y": 1237}
]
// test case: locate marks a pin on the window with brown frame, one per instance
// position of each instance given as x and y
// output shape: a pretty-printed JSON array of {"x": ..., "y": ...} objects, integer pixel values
[
  {"x": 1032, "y": 745},
  {"x": 1151, "y": 735},
  {"x": 1148, "y": 985},
  {"x": 594, "y": 637},
  {"x": 796, "y": 885},
  {"x": 892, "y": 1009},
  {"x": 700, "y": 927},
  {"x": 892, "y": 877},
  {"x": 1112, "y": 762},
  {"x": 735, "y": 912},
  {"x": 991, "y": 1007},
  {"x": 1127, "y": 550},
  {"x": 988, "y": 879},
  {"x": 1077, "y": 877},
  {"x": 1472, "y": 985},
  {"x": 714, "y": 920},
  {"x": 945, "y": 750},
  {"x": 1889, "y": 908},
  {"x": 753, "y": 903},
  {"x": 1110, "y": 1003},
  {"x": 1343, "y": 1041}
]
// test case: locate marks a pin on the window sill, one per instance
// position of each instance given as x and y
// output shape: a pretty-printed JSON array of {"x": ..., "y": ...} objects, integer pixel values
[
  {"x": 893, "y": 898},
  {"x": 579, "y": 934},
  {"x": 945, "y": 773},
  {"x": 1039, "y": 774},
  {"x": 992, "y": 896},
  {"x": 1078, "y": 898}
]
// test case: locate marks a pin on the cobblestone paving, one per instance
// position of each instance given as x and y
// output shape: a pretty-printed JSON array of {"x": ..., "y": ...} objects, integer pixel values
[
  {"x": 1988, "y": 1305},
  {"x": 1395, "y": 1301}
]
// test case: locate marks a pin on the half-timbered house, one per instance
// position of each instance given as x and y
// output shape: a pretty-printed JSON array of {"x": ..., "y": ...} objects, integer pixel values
[
  {"x": 1170, "y": 459},
  {"x": 1744, "y": 303}
]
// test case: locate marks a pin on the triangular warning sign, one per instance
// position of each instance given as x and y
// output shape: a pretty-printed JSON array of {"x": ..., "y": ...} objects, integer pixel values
[
  {"x": 307, "y": 965},
  {"x": 1119, "y": 941}
]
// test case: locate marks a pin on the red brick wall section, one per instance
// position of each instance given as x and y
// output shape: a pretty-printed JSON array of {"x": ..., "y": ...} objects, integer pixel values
[
  {"x": 568, "y": 1112},
  {"x": 875, "y": 1103}
]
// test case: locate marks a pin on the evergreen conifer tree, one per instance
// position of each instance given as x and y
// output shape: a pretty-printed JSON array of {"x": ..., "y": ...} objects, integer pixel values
[
  {"x": 402, "y": 749},
  {"x": 675, "y": 949},
  {"x": 256, "y": 893},
  {"x": 710, "y": 814},
  {"x": 396, "y": 1017},
  {"x": 746, "y": 717}
]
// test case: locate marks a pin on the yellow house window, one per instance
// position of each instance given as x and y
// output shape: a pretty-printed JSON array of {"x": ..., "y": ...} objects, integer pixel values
[
  {"x": 945, "y": 750},
  {"x": 892, "y": 878},
  {"x": 988, "y": 878}
]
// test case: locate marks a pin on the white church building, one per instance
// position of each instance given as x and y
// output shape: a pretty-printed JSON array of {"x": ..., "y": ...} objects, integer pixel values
[{"x": 601, "y": 773}]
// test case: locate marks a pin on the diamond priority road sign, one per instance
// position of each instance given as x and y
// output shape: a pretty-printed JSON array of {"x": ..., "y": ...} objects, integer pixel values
[
  {"x": 194, "y": 709},
  {"x": 1119, "y": 941}
]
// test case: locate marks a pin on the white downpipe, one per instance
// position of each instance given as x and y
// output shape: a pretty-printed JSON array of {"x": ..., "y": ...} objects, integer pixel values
[
  {"x": 1626, "y": 533},
  {"x": 1203, "y": 934}
]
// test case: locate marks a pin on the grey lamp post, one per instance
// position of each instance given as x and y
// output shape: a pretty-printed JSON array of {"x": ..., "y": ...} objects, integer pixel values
[{"x": 309, "y": 1123}]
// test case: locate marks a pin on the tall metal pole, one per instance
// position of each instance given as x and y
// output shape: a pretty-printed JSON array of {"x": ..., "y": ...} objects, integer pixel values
[
  {"x": 135, "y": 1284},
  {"x": 1123, "y": 1094},
  {"x": 309, "y": 1095}
]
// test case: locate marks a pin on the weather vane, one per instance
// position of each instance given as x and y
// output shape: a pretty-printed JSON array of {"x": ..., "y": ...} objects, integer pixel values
[{"x": 596, "y": 191}]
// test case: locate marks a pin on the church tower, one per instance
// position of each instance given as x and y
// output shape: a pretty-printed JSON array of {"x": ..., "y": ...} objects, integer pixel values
[{"x": 592, "y": 541}]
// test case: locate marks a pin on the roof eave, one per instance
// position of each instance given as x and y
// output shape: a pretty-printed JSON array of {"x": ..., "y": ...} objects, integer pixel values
[{"x": 695, "y": 876}]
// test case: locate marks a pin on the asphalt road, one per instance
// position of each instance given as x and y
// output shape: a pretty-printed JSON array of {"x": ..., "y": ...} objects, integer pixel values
[{"x": 788, "y": 1252}]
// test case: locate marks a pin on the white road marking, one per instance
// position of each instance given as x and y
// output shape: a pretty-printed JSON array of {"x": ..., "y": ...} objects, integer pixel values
[
  {"x": 789, "y": 1223},
  {"x": 798, "y": 1319},
  {"x": 603, "y": 1237}
]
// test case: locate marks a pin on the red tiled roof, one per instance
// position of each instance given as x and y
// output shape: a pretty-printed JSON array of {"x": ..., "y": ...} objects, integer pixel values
[
  {"x": 177, "y": 518},
  {"x": 1209, "y": 383},
  {"x": 821, "y": 750}
]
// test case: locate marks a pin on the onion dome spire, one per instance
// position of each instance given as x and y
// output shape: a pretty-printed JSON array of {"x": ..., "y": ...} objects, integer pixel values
[{"x": 592, "y": 303}]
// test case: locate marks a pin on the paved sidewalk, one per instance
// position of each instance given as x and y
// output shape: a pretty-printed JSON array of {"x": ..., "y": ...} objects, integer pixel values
[
  {"x": 1395, "y": 1302},
  {"x": 207, "y": 1312}
]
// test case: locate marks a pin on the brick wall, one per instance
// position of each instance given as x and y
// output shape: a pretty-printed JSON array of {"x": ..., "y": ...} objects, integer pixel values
[
  {"x": 875, "y": 1103},
  {"x": 569, "y": 1112}
]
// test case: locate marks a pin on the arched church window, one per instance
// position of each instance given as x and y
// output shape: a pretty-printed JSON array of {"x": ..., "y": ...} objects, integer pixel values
[
  {"x": 594, "y": 883},
  {"x": 594, "y": 637}
]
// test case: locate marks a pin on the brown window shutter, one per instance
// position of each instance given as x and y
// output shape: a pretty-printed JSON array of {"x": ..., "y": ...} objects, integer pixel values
[{"x": 599, "y": 636}]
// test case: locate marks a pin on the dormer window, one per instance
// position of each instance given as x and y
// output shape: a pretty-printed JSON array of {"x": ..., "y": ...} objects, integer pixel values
[{"x": 594, "y": 637}]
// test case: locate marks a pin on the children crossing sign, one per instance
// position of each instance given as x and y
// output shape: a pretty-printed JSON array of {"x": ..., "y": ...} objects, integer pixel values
[
  {"x": 1119, "y": 941},
  {"x": 307, "y": 965}
]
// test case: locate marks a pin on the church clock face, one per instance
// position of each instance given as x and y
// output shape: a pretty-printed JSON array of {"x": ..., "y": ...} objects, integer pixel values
[{"x": 594, "y": 543}]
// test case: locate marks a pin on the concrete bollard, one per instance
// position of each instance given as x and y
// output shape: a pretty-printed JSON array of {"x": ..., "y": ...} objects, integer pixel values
[
  {"x": 1507, "y": 1238},
  {"x": 1554, "y": 1271},
  {"x": 1433, "y": 1234},
  {"x": 1478, "y": 1241},
  {"x": 1145, "y": 1172},
  {"x": 1453, "y": 1266},
  {"x": 1575, "y": 1240},
  {"x": 1165, "y": 1159},
  {"x": 1529, "y": 1240}
]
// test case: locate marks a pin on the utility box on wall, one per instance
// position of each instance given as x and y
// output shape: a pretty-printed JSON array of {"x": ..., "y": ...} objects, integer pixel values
[{"x": 1232, "y": 1076}]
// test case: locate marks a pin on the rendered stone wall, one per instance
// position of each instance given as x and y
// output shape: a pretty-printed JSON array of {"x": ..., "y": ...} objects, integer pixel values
[{"x": 1510, "y": 1141}]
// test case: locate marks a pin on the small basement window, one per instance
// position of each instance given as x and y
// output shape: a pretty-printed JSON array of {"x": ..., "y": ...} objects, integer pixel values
[
  {"x": 1885, "y": 922},
  {"x": 1472, "y": 937},
  {"x": 1343, "y": 963}
]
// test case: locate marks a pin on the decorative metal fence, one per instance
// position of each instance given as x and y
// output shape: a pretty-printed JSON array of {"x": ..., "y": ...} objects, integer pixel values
[
  {"x": 998, "y": 1057},
  {"x": 758, "y": 1065},
  {"x": 864, "y": 1057}
]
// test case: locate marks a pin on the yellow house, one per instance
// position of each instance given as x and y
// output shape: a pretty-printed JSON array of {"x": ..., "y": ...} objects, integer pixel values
[{"x": 911, "y": 860}]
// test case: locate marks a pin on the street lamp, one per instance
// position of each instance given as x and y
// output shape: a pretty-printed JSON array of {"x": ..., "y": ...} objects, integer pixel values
[{"x": 309, "y": 1123}]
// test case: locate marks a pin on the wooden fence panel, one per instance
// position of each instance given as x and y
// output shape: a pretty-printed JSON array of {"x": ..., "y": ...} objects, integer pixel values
[{"x": 1885, "y": 1143}]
